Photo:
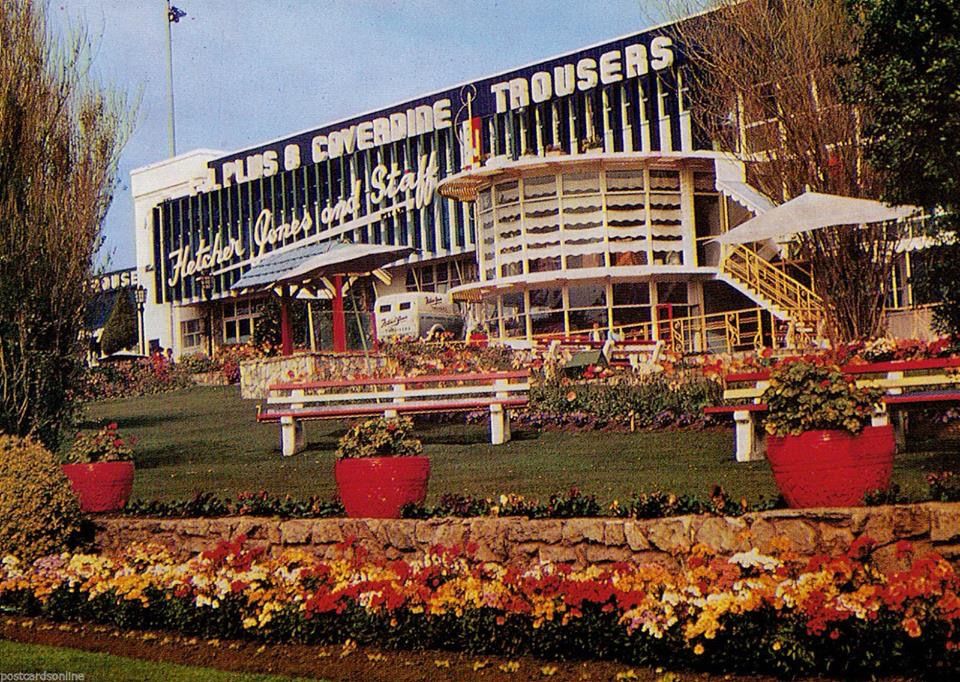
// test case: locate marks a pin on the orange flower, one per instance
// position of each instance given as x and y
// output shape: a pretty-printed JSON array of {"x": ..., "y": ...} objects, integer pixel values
[{"x": 912, "y": 627}]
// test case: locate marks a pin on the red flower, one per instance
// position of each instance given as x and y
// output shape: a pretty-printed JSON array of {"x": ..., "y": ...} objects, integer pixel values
[{"x": 861, "y": 546}]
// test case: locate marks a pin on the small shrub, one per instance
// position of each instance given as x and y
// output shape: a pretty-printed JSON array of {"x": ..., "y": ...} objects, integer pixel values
[
  {"x": 105, "y": 445},
  {"x": 944, "y": 486},
  {"x": 379, "y": 438},
  {"x": 39, "y": 513},
  {"x": 805, "y": 396},
  {"x": 879, "y": 496}
]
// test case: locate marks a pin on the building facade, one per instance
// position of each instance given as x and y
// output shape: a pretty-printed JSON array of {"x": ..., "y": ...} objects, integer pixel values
[{"x": 570, "y": 195}]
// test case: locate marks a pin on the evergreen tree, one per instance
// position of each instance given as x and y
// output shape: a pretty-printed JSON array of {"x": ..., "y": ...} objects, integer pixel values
[{"x": 120, "y": 329}]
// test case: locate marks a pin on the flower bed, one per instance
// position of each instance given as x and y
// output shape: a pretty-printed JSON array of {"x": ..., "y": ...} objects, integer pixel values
[
  {"x": 566, "y": 505},
  {"x": 748, "y": 612},
  {"x": 653, "y": 401}
]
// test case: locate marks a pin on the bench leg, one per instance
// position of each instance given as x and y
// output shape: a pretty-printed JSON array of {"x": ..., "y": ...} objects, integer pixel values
[
  {"x": 499, "y": 425},
  {"x": 293, "y": 437},
  {"x": 899, "y": 420},
  {"x": 751, "y": 447}
]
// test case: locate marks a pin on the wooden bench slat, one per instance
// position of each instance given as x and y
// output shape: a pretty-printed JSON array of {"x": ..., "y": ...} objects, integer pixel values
[
  {"x": 392, "y": 395},
  {"x": 379, "y": 381},
  {"x": 730, "y": 409},
  {"x": 922, "y": 397},
  {"x": 886, "y": 367},
  {"x": 902, "y": 366},
  {"x": 338, "y": 411}
]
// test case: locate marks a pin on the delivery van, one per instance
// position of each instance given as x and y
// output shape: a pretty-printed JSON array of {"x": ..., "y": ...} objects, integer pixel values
[{"x": 417, "y": 313}]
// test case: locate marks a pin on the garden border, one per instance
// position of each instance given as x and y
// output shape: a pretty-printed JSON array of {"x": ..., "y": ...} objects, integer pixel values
[{"x": 931, "y": 526}]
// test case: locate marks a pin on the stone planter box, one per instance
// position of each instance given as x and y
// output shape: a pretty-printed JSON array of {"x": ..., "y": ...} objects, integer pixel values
[
  {"x": 210, "y": 379},
  {"x": 257, "y": 374}
]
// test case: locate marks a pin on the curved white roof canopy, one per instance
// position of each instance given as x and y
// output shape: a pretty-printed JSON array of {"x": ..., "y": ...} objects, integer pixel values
[{"x": 812, "y": 211}]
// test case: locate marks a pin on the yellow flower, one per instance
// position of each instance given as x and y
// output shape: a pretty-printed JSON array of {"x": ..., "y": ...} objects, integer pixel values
[{"x": 698, "y": 650}]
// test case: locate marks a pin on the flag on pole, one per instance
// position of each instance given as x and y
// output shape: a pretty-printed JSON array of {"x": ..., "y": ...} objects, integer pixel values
[
  {"x": 472, "y": 141},
  {"x": 175, "y": 14}
]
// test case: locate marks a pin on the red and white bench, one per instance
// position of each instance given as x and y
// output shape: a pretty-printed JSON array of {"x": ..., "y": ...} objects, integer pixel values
[
  {"x": 292, "y": 403},
  {"x": 906, "y": 384}
]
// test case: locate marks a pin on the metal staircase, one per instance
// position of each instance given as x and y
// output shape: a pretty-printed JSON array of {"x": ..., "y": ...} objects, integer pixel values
[{"x": 786, "y": 298}]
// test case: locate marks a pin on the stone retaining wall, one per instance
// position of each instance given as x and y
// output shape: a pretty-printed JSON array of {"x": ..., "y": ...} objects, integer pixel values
[
  {"x": 257, "y": 374},
  {"x": 930, "y": 526}
]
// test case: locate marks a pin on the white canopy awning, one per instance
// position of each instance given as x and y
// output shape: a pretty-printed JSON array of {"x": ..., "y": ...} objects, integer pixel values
[
  {"x": 812, "y": 211},
  {"x": 745, "y": 195}
]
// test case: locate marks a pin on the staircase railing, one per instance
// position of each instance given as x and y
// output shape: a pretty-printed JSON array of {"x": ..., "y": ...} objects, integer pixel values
[{"x": 799, "y": 302}]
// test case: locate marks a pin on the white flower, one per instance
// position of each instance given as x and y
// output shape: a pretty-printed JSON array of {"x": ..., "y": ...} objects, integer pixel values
[{"x": 754, "y": 558}]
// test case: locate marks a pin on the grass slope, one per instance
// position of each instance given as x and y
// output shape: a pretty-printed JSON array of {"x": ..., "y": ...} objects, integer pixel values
[{"x": 207, "y": 439}]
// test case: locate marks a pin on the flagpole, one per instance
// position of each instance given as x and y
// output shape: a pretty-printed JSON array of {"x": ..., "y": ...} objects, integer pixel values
[
  {"x": 174, "y": 14},
  {"x": 171, "y": 120}
]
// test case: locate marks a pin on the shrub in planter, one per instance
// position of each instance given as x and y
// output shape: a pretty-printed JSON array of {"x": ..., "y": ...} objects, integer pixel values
[
  {"x": 100, "y": 467},
  {"x": 379, "y": 468},
  {"x": 39, "y": 513},
  {"x": 820, "y": 448}
]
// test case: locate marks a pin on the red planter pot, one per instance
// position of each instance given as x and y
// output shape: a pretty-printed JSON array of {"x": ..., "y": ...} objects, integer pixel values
[
  {"x": 378, "y": 487},
  {"x": 831, "y": 468},
  {"x": 101, "y": 486}
]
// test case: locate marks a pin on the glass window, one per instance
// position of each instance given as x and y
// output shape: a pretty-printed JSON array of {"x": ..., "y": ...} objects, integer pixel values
[
  {"x": 546, "y": 311},
  {"x": 539, "y": 187},
  {"x": 594, "y": 296},
  {"x": 581, "y": 183},
  {"x": 238, "y": 321},
  {"x": 624, "y": 181},
  {"x": 631, "y": 293},
  {"x": 191, "y": 334},
  {"x": 672, "y": 292},
  {"x": 513, "y": 315}
]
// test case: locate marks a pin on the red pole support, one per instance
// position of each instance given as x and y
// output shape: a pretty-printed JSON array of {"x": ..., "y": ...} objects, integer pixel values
[
  {"x": 286, "y": 335},
  {"x": 339, "y": 319}
]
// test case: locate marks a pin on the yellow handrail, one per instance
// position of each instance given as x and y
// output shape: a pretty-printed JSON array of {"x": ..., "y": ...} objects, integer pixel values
[{"x": 798, "y": 301}]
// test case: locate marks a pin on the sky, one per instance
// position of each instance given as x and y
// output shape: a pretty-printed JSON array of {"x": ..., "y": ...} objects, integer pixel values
[{"x": 248, "y": 71}]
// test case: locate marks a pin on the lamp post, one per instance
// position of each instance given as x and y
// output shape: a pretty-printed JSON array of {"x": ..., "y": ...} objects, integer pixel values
[
  {"x": 206, "y": 285},
  {"x": 140, "y": 294}
]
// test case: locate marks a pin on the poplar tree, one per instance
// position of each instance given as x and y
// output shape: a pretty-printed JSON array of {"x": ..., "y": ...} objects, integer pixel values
[
  {"x": 767, "y": 83},
  {"x": 60, "y": 138}
]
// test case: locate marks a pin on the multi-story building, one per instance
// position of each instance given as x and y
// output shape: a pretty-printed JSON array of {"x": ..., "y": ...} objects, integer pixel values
[{"x": 572, "y": 194}]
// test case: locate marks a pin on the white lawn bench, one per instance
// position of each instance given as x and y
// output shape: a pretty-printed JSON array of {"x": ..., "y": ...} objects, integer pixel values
[
  {"x": 906, "y": 384},
  {"x": 292, "y": 403}
]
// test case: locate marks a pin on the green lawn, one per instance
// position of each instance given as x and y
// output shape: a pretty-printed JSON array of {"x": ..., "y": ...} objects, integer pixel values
[
  {"x": 33, "y": 658},
  {"x": 207, "y": 439}
]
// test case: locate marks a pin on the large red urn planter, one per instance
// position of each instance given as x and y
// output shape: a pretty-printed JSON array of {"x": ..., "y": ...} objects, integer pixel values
[
  {"x": 379, "y": 487},
  {"x": 831, "y": 468},
  {"x": 101, "y": 486}
]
